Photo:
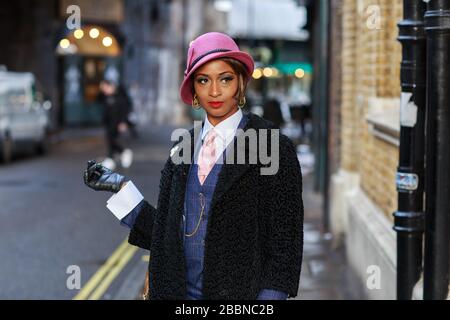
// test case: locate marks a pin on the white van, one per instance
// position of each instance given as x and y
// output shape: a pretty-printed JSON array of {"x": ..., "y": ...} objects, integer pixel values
[{"x": 24, "y": 116}]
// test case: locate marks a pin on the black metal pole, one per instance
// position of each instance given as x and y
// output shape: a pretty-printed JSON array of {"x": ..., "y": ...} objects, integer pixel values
[
  {"x": 320, "y": 103},
  {"x": 408, "y": 220},
  {"x": 437, "y": 234},
  {"x": 324, "y": 113}
]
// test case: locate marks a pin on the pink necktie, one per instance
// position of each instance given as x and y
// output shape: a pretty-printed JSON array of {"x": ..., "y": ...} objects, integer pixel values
[{"x": 207, "y": 156}]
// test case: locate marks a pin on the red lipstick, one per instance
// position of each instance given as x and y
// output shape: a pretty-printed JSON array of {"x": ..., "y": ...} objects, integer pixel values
[{"x": 215, "y": 104}]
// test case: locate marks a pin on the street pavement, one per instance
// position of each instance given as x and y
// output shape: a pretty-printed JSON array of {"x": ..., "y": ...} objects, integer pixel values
[
  {"x": 52, "y": 224},
  {"x": 325, "y": 274}
]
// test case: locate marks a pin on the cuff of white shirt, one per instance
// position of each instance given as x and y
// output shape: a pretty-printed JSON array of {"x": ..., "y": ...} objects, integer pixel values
[{"x": 121, "y": 203}]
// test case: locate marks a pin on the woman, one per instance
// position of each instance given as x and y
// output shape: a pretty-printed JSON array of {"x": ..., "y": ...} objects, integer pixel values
[{"x": 221, "y": 230}]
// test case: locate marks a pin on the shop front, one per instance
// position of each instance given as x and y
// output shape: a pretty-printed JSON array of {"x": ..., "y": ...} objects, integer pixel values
[{"x": 87, "y": 55}]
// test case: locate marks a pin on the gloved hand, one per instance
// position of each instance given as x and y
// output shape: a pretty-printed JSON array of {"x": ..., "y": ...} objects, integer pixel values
[{"x": 101, "y": 178}]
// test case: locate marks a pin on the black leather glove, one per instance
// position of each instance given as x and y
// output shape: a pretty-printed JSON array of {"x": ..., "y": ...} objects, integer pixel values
[{"x": 101, "y": 178}]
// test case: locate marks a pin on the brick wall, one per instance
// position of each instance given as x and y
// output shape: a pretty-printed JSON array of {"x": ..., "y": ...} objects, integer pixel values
[
  {"x": 335, "y": 86},
  {"x": 348, "y": 122},
  {"x": 371, "y": 58}
]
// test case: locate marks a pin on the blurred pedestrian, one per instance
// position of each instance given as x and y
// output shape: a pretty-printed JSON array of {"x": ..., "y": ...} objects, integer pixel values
[
  {"x": 221, "y": 230},
  {"x": 116, "y": 108},
  {"x": 272, "y": 112},
  {"x": 131, "y": 119}
]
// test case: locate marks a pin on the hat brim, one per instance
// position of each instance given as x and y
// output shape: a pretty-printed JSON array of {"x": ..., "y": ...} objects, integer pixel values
[{"x": 245, "y": 58}]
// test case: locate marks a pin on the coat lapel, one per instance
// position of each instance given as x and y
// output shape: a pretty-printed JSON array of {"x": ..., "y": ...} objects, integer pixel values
[
  {"x": 229, "y": 174},
  {"x": 180, "y": 175}
]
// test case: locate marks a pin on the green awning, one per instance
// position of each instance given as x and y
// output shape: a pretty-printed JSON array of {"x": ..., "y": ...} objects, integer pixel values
[{"x": 290, "y": 67}]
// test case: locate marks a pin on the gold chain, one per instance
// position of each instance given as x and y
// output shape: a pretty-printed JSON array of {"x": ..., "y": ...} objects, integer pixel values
[{"x": 202, "y": 203}]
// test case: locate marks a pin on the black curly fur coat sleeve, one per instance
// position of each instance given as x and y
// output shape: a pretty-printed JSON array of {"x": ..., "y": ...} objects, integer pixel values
[
  {"x": 283, "y": 223},
  {"x": 141, "y": 232}
]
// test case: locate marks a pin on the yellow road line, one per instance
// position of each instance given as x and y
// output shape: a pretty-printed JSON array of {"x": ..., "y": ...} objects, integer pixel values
[
  {"x": 116, "y": 269},
  {"x": 100, "y": 274}
]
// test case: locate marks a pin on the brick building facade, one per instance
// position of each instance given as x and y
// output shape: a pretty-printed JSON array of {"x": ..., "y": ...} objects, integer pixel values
[{"x": 364, "y": 125}]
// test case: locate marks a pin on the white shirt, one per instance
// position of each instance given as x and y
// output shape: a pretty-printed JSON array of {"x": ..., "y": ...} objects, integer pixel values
[
  {"x": 123, "y": 202},
  {"x": 226, "y": 130}
]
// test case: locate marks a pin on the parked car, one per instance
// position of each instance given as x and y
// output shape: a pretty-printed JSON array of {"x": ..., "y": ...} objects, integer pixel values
[{"x": 24, "y": 115}]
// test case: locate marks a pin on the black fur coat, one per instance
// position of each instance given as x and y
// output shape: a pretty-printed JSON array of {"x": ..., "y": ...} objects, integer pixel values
[{"x": 255, "y": 229}]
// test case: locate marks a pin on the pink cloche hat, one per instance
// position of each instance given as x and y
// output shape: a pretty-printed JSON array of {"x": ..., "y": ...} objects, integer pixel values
[{"x": 207, "y": 47}]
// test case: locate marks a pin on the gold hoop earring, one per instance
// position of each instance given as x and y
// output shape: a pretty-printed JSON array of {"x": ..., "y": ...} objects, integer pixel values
[
  {"x": 242, "y": 102},
  {"x": 195, "y": 103}
]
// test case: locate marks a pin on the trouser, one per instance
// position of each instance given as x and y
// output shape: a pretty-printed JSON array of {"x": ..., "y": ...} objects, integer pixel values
[
  {"x": 112, "y": 139},
  {"x": 132, "y": 128}
]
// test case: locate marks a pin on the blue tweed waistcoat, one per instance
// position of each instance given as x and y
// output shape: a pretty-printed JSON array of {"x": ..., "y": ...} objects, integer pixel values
[{"x": 194, "y": 246}]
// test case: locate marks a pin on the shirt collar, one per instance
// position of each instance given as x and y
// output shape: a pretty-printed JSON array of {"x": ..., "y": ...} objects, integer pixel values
[{"x": 226, "y": 129}]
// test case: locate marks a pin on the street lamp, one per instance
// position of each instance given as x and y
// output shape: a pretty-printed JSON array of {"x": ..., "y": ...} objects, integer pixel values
[
  {"x": 78, "y": 34},
  {"x": 64, "y": 43},
  {"x": 300, "y": 73},
  {"x": 107, "y": 41},
  {"x": 94, "y": 33},
  {"x": 267, "y": 72},
  {"x": 257, "y": 74}
]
